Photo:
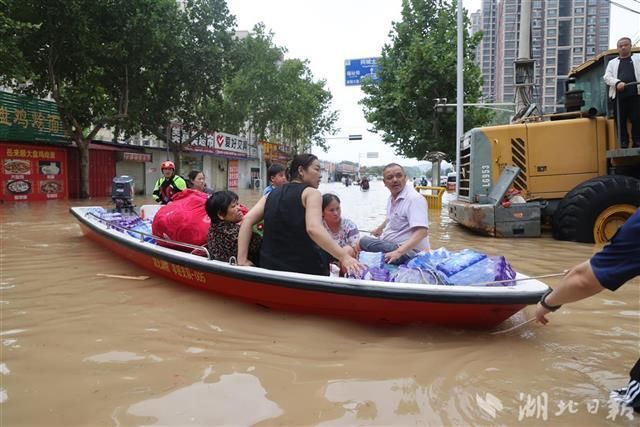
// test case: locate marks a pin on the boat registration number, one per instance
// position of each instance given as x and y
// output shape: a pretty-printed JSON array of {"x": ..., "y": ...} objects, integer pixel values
[{"x": 179, "y": 270}]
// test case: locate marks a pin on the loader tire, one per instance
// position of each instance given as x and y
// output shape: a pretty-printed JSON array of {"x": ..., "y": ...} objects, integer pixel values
[{"x": 593, "y": 211}]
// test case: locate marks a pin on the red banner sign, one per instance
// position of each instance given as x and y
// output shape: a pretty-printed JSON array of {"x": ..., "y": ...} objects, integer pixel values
[
  {"x": 233, "y": 174},
  {"x": 30, "y": 173},
  {"x": 134, "y": 157}
]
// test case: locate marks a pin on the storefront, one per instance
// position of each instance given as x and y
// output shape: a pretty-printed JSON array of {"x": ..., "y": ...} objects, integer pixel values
[
  {"x": 114, "y": 160},
  {"x": 133, "y": 165},
  {"x": 33, "y": 160},
  {"x": 223, "y": 156},
  {"x": 275, "y": 153}
]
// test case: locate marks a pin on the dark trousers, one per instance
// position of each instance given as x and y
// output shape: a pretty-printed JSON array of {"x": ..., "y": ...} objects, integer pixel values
[
  {"x": 630, "y": 110},
  {"x": 371, "y": 244}
]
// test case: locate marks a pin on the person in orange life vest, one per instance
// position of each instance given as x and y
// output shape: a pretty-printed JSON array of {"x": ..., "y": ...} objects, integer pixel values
[{"x": 168, "y": 184}]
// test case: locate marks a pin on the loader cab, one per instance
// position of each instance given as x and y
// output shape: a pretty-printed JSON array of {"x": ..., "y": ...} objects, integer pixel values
[
  {"x": 587, "y": 78},
  {"x": 591, "y": 97}
]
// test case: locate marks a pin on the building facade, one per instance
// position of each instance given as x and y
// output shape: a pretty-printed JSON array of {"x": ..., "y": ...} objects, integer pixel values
[{"x": 564, "y": 33}]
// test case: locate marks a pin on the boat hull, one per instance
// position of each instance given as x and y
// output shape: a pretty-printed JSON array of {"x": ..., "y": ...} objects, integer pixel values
[{"x": 373, "y": 303}]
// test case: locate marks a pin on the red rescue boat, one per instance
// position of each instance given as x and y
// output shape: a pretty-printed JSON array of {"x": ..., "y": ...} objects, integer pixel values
[{"x": 474, "y": 307}]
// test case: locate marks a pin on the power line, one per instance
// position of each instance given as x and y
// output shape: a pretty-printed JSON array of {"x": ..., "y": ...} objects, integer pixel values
[{"x": 625, "y": 7}]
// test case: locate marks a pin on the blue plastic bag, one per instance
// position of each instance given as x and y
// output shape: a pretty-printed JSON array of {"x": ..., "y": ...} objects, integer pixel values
[
  {"x": 429, "y": 259},
  {"x": 489, "y": 269},
  {"x": 371, "y": 259},
  {"x": 459, "y": 261}
]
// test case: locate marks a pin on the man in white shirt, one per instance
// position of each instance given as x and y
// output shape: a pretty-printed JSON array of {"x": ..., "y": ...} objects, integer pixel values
[
  {"x": 404, "y": 233},
  {"x": 621, "y": 70}
]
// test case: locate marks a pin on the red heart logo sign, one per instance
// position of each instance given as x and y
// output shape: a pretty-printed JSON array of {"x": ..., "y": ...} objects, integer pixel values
[{"x": 219, "y": 140}]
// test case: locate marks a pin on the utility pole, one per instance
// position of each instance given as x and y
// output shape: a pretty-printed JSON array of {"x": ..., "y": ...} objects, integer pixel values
[
  {"x": 524, "y": 65},
  {"x": 460, "y": 93}
]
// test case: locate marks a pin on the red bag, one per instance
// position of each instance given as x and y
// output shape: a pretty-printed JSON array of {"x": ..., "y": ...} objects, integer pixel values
[{"x": 184, "y": 220}]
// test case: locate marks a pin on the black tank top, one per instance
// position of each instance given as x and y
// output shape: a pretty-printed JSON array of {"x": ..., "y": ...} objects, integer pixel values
[{"x": 286, "y": 246}]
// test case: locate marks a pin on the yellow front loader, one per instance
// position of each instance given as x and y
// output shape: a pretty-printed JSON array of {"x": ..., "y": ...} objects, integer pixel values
[{"x": 568, "y": 166}]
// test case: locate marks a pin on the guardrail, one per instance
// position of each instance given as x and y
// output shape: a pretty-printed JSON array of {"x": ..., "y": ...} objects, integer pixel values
[
  {"x": 432, "y": 194},
  {"x": 142, "y": 235}
]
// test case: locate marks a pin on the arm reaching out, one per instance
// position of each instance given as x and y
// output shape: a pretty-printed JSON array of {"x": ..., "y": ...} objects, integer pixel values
[{"x": 579, "y": 283}]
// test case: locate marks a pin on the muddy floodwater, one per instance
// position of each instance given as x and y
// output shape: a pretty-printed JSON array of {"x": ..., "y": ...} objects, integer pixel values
[{"x": 79, "y": 349}]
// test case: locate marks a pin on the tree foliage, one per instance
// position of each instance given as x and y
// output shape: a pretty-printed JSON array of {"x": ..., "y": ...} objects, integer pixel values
[
  {"x": 12, "y": 63},
  {"x": 417, "y": 66},
  {"x": 91, "y": 57},
  {"x": 278, "y": 98},
  {"x": 138, "y": 65},
  {"x": 186, "y": 85}
]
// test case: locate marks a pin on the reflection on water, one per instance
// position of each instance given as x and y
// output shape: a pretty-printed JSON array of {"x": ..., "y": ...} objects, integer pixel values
[
  {"x": 120, "y": 357},
  {"x": 78, "y": 349},
  {"x": 236, "y": 398}
]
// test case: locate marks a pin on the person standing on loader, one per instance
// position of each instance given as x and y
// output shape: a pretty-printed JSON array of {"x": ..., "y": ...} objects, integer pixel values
[{"x": 620, "y": 71}]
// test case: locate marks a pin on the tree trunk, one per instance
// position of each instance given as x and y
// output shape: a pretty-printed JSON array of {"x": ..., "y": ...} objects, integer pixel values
[
  {"x": 83, "y": 151},
  {"x": 177, "y": 150}
]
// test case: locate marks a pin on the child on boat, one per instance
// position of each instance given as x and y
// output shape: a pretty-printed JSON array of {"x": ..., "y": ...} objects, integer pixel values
[{"x": 276, "y": 177}]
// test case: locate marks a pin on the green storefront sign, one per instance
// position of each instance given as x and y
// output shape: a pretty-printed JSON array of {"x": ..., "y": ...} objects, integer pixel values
[{"x": 29, "y": 119}]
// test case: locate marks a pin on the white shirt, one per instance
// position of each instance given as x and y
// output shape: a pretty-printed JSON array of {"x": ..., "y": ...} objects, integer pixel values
[
  {"x": 611, "y": 74},
  {"x": 405, "y": 213}
]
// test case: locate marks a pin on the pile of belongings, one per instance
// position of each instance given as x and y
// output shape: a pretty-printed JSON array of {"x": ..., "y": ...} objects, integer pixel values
[
  {"x": 441, "y": 267},
  {"x": 130, "y": 224}
]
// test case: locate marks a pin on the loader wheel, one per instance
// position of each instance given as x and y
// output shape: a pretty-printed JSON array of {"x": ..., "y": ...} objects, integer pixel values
[{"x": 593, "y": 211}]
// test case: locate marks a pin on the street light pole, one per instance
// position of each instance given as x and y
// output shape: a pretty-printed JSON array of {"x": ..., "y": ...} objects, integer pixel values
[{"x": 460, "y": 93}]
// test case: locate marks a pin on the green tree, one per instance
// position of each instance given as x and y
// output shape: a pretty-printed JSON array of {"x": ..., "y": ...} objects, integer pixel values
[
  {"x": 187, "y": 84},
  {"x": 417, "y": 66},
  {"x": 251, "y": 89},
  {"x": 92, "y": 57},
  {"x": 303, "y": 111},
  {"x": 277, "y": 98},
  {"x": 12, "y": 63}
]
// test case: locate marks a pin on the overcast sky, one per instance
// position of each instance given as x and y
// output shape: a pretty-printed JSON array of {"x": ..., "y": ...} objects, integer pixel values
[{"x": 327, "y": 32}]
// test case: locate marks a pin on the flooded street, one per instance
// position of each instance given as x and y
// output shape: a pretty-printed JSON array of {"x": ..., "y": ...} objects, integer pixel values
[{"x": 80, "y": 349}]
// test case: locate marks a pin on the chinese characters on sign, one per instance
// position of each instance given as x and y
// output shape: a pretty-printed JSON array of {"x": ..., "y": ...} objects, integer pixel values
[
  {"x": 31, "y": 173},
  {"x": 275, "y": 152},
  {"x": 233, "y": 174},
  {"x": 219, "y": 143},
  {"x": 28, "y": 119},
  {"x": 134, "y": 157},
  {"x": 357, "y": 69}
]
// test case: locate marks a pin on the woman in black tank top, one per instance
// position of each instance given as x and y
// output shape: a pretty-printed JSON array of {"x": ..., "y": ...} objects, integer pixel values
[{"x": 293, "y": 230}]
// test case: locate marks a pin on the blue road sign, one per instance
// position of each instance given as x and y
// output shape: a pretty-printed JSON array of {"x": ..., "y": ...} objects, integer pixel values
[{"x": 357, "y": 69}]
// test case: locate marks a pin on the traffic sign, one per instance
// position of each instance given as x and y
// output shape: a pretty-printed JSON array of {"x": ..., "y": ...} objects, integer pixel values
[
  {"x": 357, "y": 69},
  {"x": 355, "y": 137}
]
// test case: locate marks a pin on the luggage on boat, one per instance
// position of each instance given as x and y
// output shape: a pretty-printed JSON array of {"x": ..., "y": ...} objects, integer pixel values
[
  {"x": 134, "y": 226},
  {"x": 463, "y": 268},
  {"x": 183, "y": 220}
]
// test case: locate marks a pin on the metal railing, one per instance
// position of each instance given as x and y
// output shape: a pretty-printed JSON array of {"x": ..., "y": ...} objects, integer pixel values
[
  {"x": 619, "y": 126},
  {"x": 142, "y": 235}
]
